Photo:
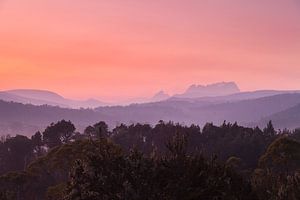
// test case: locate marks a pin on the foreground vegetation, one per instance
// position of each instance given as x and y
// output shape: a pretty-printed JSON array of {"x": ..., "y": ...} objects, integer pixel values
[{"x": 167, "y": 161}]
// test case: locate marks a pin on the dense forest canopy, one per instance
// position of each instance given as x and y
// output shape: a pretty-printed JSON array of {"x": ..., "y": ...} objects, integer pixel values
[{"x": 140, "y": 161}]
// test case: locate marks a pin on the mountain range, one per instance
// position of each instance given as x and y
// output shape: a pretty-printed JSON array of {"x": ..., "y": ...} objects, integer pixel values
[
  {"x": 43, "y": 97},
  {"x": 211, "y": 90},
  {"x": 247, "y": 108}
]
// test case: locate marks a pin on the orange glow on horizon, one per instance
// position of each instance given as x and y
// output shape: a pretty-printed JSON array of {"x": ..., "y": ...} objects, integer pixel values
[{"x": 119, "y": 49}]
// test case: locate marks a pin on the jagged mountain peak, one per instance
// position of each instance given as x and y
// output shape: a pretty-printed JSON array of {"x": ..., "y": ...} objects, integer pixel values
[{"x": 215, "y": 89}]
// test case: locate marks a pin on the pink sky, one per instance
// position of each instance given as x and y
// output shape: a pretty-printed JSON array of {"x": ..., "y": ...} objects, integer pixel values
[{"x": 116, "y": 49}]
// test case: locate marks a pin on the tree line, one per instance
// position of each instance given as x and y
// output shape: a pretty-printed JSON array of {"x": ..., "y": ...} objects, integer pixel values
[{"x": 140, "y": 161}]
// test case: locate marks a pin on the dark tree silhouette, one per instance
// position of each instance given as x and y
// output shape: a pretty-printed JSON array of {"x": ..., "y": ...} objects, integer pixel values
[{"x": 59, "y": 133}]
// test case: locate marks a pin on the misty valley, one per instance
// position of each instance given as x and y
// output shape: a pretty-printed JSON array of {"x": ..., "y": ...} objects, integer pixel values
[
  {"x": 198, "y": 145},
  {"x": 149, "y": 100},
  {"x": 27, "y": 111}
]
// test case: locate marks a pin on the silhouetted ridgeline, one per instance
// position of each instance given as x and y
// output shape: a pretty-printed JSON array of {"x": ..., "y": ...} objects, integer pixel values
[
  {"x": 41, "y": 97},
  {"x": 140, "y": 161},
  {"x": 16, "y": 118}
]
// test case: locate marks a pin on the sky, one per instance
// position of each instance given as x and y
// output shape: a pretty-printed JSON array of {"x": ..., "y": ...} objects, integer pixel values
[{"x": 118, "y": 49}]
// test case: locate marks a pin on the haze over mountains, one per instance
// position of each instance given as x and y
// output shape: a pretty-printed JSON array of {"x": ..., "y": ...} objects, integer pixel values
[
  {"x": 199, "y": 104},
  {"x": 43, "y": 97},
  {"x": 211, "y": 90}
]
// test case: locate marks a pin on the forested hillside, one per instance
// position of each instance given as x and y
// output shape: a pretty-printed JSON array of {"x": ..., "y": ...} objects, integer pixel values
[
  {"x": 16, "y": 118},
  {"x": 140, "y": 161}
]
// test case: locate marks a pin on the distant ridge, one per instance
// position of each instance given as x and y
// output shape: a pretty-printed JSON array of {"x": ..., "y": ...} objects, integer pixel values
[
  {"x": 289, "y": 118},
  {"x": 160, "y": 96},
  {"x": 44, "y": 97},
  {"x": 211, "y": 90},
  {"x": 236, "y": 96},
  {"x": 36, "y": 94},
  {"x": 283, "y": 109}
]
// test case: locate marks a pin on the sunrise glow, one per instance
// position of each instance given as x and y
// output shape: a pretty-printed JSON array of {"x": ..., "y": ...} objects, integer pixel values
[{"x": 131, "y": 48}]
